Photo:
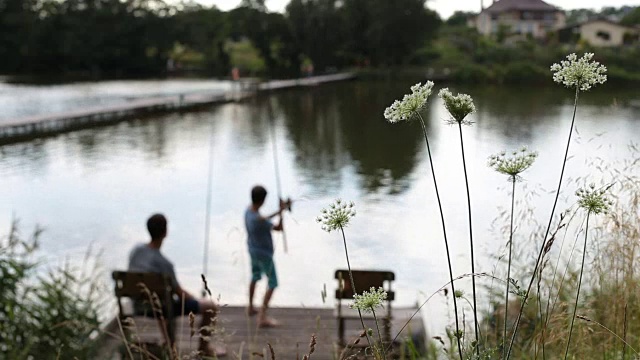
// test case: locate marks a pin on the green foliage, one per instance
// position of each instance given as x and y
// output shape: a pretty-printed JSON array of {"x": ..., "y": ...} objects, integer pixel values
[
  {"x": 393, "y": 30},
  {"x": 619, "y": 75},
  {"x": 365, "y": 32},
  {"x": 474, "y": 58},
  {"x": 44, "y": 316},
  {"x": 202, "y": 31},
  {"x": 459, "y": 18},
  {"x": 523, "y": 73},
  {"x": 632, "y": 17},
  {"x": 112, "y": 38},
  {"x": 245, "y": 56},
  {"x": 318, "y": 28},
  {"x": 270, "y": 34},
  {"x": 14, "y": 269},
  {"x": 472, "y": 73},
  {"x": 184, "y": 55}
]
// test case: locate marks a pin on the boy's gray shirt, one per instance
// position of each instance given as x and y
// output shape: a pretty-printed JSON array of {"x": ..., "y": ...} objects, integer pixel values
[{"x": 146, "y": 259}]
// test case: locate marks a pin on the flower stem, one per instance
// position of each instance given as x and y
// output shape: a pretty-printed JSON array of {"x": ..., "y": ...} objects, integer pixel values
[
  {"x": 375, "y": 319},
  {"x": 573, "y": 317},
  {"x": 473, "y": 267},
  {"x": 506, "y": 296},
  {"x": 555, "y": 203},
  {"x": 353, "y": 285},
  {"x": 444, "y": 231}
]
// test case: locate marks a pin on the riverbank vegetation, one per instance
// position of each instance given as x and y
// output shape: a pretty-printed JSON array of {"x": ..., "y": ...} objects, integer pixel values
[
  {"x": 47, "y": 312},
  {"x": 469, "y": 57},
  {"x": 135, "y": 39}
]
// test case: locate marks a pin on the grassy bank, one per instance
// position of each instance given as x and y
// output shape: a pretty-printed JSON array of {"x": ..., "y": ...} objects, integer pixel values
[{"x": 47, "y": 312}]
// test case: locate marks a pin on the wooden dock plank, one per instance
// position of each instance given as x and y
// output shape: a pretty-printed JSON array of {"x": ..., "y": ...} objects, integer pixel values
[{"x": 290, "y": 340}]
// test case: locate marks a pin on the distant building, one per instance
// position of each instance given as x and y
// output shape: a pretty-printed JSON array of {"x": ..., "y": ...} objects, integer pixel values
[
  {"x": 600, "y": 32},
  {"x": 534, "y": 18}
]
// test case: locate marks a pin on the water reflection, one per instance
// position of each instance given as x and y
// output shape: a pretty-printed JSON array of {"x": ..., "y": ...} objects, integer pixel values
[
  {"x": 312, "y": 121},
  {"x": 338, "y": 126},
  {"x": 29, "y": 155}
]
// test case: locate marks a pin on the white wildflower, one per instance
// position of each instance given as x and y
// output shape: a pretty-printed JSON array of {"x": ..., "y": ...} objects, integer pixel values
[
  {"x": 594, "y": 200},
  {"x": 337, "y": 216},
  {"x": 410, "y": 105},
  {"x": 514, "y": 164},
  {"x": 581, "y": 73},
  {"x": 459, "y": 106},
  {"x": 370, "y": 300}
]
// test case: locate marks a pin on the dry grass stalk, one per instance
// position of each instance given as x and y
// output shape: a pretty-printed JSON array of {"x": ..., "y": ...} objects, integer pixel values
[{"x": 273, "y": 354}]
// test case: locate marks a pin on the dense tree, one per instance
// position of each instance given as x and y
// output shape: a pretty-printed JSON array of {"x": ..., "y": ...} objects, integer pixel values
[
  {"x": 613, "y": 13},
  {"x": 318, "y": 31},
  {"x": 15, "y": 17},
  {"x": 203, "y": 30},
  {"x": 133, "y": 38},
  {"x": 632, "y": 17},
  {"x": 270, "y": 33},
  {"x": 387, "y": 32},
  {"x": 459, "y": 18}
]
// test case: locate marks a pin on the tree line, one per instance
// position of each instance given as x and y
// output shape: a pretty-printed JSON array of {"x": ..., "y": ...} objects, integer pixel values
[
  {"x": 150, "y": 38},
  {"x": 138, "y": 38}
]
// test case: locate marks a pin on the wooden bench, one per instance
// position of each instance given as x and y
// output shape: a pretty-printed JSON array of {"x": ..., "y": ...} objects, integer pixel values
[
  {"x": 364, "y": 280},
  {"x": 151, "y": 295}
]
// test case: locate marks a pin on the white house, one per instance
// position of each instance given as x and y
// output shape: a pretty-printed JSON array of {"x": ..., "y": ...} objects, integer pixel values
[
  {"x": 600, "y": 33},
  {"x": 535, "y": 18}
]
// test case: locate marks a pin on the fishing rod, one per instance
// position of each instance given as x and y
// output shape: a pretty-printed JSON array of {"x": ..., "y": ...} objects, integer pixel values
[
  {"x": 207, "y": 228},
  {"x": 272, "y": 128}
]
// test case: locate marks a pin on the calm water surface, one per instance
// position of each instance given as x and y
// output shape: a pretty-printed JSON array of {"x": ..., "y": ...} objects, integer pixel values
[{"x": 98, "y": 186}]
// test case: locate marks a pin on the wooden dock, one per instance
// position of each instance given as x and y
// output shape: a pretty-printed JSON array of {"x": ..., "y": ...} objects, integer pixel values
[
  {"x": 290, "y": 340},
  {"x": 41, "y": 125}
]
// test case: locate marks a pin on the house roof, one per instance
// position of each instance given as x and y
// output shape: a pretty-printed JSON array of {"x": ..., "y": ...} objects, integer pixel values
[{"x": 520, "y": 5}]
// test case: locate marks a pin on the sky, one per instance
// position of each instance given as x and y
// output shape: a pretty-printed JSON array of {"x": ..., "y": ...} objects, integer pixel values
[{"x": 446, "y": 7}]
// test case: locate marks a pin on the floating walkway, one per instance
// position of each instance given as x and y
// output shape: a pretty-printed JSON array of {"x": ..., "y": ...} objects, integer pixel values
[
  {"x": 290, "y": 340},
  {"x": 41, "y": 125}
]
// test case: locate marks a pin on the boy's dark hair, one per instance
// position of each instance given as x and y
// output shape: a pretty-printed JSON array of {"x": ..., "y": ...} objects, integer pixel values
[
  {"x": 258, "y": 194},
  {"x": 157, "y": 226}
]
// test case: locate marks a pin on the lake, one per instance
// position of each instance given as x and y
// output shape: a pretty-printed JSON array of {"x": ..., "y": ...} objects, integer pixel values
[{"x": 96, "y": 187}]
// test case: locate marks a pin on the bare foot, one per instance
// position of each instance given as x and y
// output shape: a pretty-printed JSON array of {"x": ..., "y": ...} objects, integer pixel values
[
  {"x": 251, "y": 311},
  {"x": 214, "y": 351},
  {"x": 267, "y": 322}
]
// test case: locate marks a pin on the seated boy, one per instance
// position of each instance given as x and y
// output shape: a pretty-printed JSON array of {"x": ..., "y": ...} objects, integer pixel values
[{"x": 146, "y": 257}]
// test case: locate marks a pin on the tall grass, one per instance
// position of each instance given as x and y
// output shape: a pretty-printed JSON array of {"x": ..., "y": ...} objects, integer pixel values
[{"x": 51, "y": 314}]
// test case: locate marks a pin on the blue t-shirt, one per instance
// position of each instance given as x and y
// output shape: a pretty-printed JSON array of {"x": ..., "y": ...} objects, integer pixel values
[{"x": 258, "y": 233}]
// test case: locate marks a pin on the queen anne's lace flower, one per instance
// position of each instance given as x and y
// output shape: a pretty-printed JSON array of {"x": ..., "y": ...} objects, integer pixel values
[
  {"x": 594, "y": 200},
  {"x": 582, "y": 73},
  {"x": 410, "y": 105},
  {"x": 337, "y": 216},
  {"x": 513, "y": 165},
  {"x": 370, "y": 300},
  {"x": 459, "y": 106}
]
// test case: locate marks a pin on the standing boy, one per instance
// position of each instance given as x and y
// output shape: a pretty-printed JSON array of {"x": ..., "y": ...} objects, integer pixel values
[{"x": 261, "y": 251}]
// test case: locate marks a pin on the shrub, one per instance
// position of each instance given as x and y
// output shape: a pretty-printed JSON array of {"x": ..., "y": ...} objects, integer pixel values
[
  {"x": 472, "y": 73},
  {"x": 621, "y": 76},
  {"x": 524, "y": 73},
  {"x": 44, "y": 316}
]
